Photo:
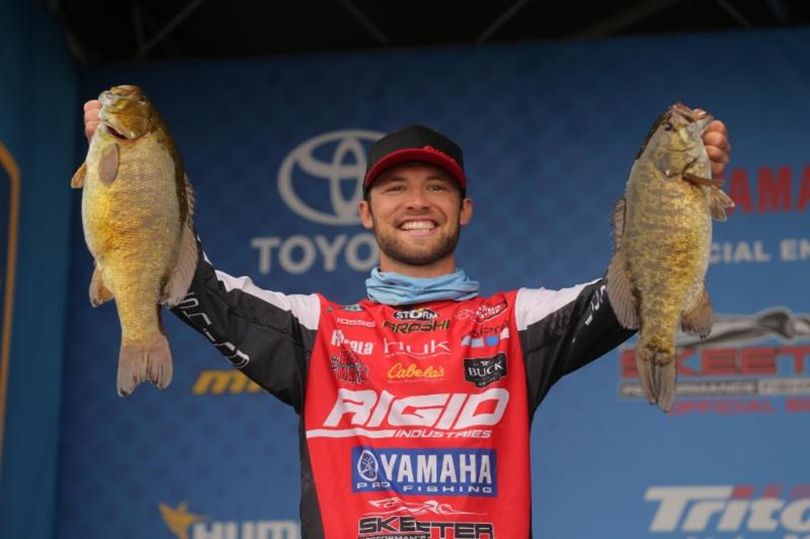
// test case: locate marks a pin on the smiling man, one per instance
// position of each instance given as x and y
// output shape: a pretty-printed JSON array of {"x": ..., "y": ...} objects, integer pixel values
[{"x": 416, "y": 402}]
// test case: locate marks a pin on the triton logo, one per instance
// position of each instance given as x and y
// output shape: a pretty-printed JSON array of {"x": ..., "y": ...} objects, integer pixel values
[
  {"x": 728, "y": 509},
  {"x": 184, "y": 524}
]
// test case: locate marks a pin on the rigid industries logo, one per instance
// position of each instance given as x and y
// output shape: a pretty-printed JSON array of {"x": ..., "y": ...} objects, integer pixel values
[{"x": 734, "y": 511}]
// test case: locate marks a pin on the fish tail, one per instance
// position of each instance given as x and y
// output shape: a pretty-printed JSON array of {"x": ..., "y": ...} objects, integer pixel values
[
  {"x": 646, "y": 366},
  {"x": 666, "y": 375},
  {"x": 657, "y": 374},
  {"x": 139, "y": 362}
]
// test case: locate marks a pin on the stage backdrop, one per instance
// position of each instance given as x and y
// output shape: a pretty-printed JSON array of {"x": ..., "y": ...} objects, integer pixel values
[
  {"x": 38, "y": 118},
  {"x": 275, "y": 150}
]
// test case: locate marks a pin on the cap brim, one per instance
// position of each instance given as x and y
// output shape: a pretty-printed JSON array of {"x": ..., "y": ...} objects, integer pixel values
[{"x": 441, "y": 160}]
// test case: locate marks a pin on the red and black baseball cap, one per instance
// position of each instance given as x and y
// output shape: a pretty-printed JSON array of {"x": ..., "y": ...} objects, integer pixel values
[{"x": 415, "y": 143}]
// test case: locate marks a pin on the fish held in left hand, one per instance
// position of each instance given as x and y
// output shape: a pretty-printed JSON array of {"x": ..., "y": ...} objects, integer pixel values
[
  {"x": 662, "y": 240},
  {"x": 137, "y": 207}
]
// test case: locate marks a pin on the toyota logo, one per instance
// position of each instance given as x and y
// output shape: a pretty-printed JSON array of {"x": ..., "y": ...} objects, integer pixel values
[{"x": 347, "y": 164}]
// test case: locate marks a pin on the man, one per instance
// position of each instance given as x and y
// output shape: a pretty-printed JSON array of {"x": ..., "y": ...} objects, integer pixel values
[{"x": 415, "y": 403}]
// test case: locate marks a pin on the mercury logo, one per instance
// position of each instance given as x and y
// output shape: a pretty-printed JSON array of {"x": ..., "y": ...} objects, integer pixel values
[{"x": 347, "y": 164}]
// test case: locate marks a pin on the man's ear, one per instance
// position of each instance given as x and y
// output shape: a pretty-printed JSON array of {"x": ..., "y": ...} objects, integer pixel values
[
  {"x": 364, "y": 209},
  {"x": 466, "y": 211}
]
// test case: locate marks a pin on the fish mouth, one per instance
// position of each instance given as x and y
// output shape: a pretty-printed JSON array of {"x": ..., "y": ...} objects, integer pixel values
[{"x": 112, "y": 131}]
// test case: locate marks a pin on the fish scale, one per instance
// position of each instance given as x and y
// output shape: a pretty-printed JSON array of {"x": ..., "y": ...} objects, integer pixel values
[
  {"x": 662, "y": 233},
  {"x": 136, "y": 215}
]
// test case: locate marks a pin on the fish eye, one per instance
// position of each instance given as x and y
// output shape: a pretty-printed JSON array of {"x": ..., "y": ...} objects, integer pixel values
[{"x": 668, "y": 126}]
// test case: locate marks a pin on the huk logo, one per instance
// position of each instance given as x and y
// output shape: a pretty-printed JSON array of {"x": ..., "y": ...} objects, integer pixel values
[
  {"x": 347, "y": 164},
  {"x": 186, "y": 525}
]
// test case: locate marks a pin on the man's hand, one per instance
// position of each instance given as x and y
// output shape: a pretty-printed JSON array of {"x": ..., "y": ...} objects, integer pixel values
[
  {"x": 91, "y": 119},
  {"x": 715, "y": 138}
]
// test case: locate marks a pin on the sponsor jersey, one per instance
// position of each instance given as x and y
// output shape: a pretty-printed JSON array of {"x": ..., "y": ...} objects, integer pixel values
[{"x": 415, "y": 420}]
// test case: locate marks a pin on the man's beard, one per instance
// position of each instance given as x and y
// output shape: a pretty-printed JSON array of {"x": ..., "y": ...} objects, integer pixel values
[{"x": 396, "y": 249}]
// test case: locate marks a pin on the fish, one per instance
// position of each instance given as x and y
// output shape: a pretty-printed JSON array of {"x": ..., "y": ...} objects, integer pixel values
[
  {"x": 662, "y": 232},
  {"x": 137, "y": 208}
]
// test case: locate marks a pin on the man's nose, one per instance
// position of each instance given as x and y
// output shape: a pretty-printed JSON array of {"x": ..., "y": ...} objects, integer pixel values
[{"x": 417, "y": 199}]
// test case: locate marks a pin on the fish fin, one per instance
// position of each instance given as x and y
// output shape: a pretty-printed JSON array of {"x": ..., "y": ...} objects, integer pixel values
[
  {"x": 718, "y": 202},
  {"x": 657, "y": 372},
  {"x": 619, "y": 210},
  {"x": 183, "y": 271},
  {"x": 701, "y": 181},
  {"x": 140, "y": 362},
  {"x": 667, "y": 385},
  {"x": 99, "y": 292},
  {"x": 77, "y": 181},
  {"x": 698, "y": 318},
  {"x": 189, "y": 199},
  {"x": 108, "y": 164},
  {"x": 646, "y": 367},
  {"x": 620, "y": 293}
]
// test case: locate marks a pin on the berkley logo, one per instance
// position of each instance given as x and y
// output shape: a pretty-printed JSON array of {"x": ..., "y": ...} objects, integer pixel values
[
  {"x": 484, "y": 371},
  {"x": 412, "y": 371}
]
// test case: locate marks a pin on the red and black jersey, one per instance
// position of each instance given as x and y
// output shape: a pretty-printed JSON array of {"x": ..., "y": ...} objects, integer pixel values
[{"x": 414, "y": 420}]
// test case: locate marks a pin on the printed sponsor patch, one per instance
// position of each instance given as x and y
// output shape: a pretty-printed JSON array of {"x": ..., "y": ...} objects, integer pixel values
[
  {"x": 435, "y": 472},
  {"x": 484, "y": 371}
]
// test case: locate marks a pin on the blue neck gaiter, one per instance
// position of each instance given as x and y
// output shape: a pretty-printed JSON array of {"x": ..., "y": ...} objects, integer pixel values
[{"x": 391, "y": 288}]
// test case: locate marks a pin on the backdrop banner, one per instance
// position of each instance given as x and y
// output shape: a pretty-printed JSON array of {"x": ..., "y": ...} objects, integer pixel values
[{"x": 275, "y": 150}]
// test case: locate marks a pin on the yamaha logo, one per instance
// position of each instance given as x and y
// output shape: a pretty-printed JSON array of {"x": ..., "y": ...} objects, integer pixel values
[{"x": 337, "y": 158}]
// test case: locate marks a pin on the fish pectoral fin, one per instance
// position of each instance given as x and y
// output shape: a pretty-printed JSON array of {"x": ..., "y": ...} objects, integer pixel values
[
  {"x": 99, "y": 292},
  {"x": 108, "y": 164},
  {"x": 698, "y": 318},
  {"x": 718, "y": 202},
  {"x": 77, "y": 181},
  {"x": 620, "y": 292},
  {"x": 701, "y": 181},
  {"x": 619, "y": 210},
  {"x": 183, "y": 272}
]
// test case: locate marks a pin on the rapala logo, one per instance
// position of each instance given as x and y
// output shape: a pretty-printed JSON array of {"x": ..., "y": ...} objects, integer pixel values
[
  {"x": 435, "y": 472},
  {"x": 358, "y": 347},
  {"x": 384, "y": 415},
  {"x": 224, "y": 382},
  {"x": 186, "y": 525},
  {"x": 769, "y": 512},
  {"x": 727, "y": 364}
]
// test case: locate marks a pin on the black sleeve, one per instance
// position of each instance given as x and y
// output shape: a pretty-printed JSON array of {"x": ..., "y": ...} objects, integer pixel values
[
  {"x": 563, "y": 330},
  {"x": 267, "y": 335}
]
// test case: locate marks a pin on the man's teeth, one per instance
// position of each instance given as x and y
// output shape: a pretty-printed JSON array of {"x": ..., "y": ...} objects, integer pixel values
[{"x": 418, "y": 225}]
